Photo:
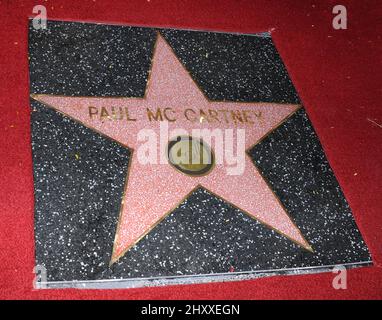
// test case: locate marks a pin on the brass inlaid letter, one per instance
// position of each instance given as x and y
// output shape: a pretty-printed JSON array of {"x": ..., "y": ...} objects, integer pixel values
[
  {"x": 127, "y": 115},
  {"x": 236, "y": 115},
  {"x": 92, "y": 111},
  {"x": 187, "y": 113},
  {"x": 157, "y": 116},
  {"x": 166, "y": 115}
]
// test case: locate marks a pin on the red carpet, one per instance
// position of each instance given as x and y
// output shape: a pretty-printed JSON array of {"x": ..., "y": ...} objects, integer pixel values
[{"x": 337, "y": 75}]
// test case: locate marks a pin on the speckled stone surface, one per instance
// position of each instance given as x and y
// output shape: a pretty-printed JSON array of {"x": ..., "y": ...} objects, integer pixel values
[
  {"x": 79, "y": 178},
  {"x": 234, "y": 67},
  {"x": 79, "y": 174}
]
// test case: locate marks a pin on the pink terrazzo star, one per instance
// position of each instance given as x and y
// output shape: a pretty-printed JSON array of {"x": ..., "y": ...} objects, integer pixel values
[{"x": 152, "y": 191}]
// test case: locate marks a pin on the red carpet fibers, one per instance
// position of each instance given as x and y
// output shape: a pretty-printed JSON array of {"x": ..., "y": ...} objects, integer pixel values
[{"x": 337, "y": 74}]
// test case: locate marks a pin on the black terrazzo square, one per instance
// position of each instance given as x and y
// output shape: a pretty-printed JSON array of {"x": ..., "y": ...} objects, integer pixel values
[{"x": 80, "y": 174}]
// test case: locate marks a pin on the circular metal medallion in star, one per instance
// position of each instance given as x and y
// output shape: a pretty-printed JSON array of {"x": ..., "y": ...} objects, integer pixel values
[{"x": 191, "y": 156}]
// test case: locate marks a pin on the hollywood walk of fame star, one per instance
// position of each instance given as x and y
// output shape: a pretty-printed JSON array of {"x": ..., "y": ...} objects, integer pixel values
[{"x": 152, "y": 191}]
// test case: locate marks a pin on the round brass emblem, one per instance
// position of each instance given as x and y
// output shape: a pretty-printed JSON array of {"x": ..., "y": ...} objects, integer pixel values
[{"x": 190, "y": 155}]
